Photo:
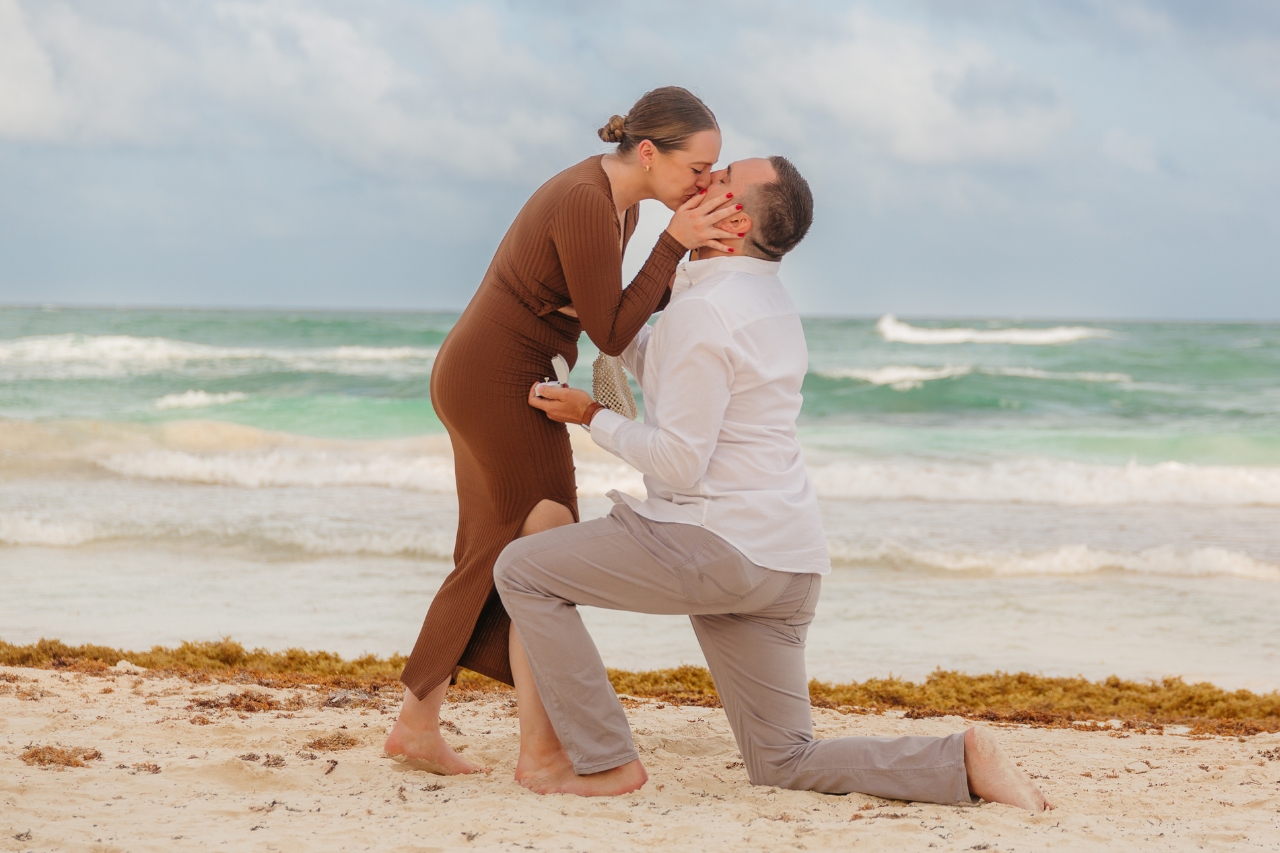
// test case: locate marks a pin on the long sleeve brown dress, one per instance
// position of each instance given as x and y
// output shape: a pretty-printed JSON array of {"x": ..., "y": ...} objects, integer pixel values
[{"x": 564, "y": 249}]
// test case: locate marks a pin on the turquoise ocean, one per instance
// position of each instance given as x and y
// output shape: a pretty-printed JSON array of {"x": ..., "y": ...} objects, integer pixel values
[{"x": 1088, "y": 497}]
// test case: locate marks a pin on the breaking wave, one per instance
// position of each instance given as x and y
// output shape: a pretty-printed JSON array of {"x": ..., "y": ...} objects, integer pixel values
[
  {"x": 332, "y": 536},
  {"x": 198, "y": 400},
  {"x": 898, "y": 377},
  {"x": 316, "y": 469},
  {"x": 75, "y": 356},
  {"x": 25, "y": 530},
  {"x": 288, "y": 467},
  {"x": 320, "y": 538},
  {"x": 1033, "y": 481},
  {"x": 909, "y": 377},
  {"x": 1065, "y": 560},
  {"x": 894, "y": 330},
  {"x": 1050, "y": 481}
]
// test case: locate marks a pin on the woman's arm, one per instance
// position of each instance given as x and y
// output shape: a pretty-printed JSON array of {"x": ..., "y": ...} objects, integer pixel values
[{"x": 585, "y": 233}]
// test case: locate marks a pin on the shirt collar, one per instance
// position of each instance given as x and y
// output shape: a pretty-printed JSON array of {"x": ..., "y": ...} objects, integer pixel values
[{"x": 692, "y": 273}]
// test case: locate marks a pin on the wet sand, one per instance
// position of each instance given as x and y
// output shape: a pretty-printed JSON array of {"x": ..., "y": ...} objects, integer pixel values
[{"x": 222, "y": 766}]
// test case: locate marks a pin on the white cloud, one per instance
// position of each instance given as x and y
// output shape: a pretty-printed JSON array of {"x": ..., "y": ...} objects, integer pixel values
[
  {"x": 451, "y": 91},
  {"x": 878, "y": 86},
  {"x": 67, "y": 78},
  {"x": 333, "y": 81},
  {"x": 28, "y": 98},
  {"x": 1131, "y": 151},
  {"x": 463, "y": 101}
]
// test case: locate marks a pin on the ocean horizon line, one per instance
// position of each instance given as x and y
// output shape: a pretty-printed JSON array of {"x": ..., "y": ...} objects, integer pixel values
[{"x": 816, "y": 315}]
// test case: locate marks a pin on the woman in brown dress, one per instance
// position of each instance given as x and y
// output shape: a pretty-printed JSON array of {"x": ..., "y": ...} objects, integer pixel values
[{"x": 557, "y": 272}]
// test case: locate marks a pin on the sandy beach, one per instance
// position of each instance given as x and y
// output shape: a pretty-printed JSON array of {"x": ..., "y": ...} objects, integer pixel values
[{"x": 172, "y": 763}]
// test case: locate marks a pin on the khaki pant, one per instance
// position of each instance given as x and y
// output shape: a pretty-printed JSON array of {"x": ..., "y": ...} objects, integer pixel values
[{"x": 751, "y": 623}]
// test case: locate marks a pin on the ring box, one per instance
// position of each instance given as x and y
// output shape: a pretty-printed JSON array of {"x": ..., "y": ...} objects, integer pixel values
[
  {"x": 547, "y": 382},
  {"x": 561, "y": 368}
]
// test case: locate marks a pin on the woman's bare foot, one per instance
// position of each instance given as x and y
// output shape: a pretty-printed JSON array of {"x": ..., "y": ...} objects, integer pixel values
[
  {"x": 555, "y": 775},
  {"x": 996, "y": 779},
  {"x": 426, "y": 750},
  {"x": 415, "y": 738}
]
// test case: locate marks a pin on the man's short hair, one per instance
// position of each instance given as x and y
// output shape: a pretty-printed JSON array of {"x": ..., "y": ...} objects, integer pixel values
[{"x": 783, "y": 210}]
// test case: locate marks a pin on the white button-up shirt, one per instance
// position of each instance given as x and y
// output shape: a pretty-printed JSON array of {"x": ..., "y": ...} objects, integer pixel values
[{"x": 721, "y": 372}]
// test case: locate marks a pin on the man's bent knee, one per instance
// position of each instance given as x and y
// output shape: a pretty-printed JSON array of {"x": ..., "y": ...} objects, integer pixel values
[
  {"x": 775, "y": 770},
  {"x": 504, "y": 568}
]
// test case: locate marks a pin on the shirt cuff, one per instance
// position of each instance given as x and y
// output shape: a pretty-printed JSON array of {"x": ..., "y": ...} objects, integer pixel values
[{"x": 605, "y": 426}]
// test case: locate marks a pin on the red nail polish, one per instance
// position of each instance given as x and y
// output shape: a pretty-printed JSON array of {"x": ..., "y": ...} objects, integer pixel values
[
  {"x": 739, "y": 207},
  {"x": 743, "y": 234},
  {"x": 702, "y": 192},
  {"x": 730, "y": 249},
  {"x": 728, "y": 195}
]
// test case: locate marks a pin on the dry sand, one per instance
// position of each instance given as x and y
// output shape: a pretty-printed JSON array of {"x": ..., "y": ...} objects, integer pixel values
[{"x": 236, "y": 779}]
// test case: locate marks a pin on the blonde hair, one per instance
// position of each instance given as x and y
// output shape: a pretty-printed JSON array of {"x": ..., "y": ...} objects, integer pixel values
[{"x": 667, "y": 117}]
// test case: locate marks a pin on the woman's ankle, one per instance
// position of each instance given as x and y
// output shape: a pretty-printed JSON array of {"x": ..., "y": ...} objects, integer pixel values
[{"x": 422, "y": 715}]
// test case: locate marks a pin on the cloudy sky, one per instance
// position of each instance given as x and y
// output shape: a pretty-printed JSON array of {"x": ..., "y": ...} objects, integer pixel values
[{"x": 1008, "y": 158}]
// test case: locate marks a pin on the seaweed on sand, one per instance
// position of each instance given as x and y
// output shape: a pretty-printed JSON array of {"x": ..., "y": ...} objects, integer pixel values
[
  {"x": 247, "y": 701},
  {"x": 228, "y": 661},
  {"x": 333, "y": 742},
  {"x": 1143, "y": 706},
  {"x": 1040, "y": 700},
  {"x": 60, "y": 756}
]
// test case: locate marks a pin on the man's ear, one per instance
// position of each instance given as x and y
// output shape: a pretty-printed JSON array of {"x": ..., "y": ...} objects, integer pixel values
[{"x": 739, "y": 223}]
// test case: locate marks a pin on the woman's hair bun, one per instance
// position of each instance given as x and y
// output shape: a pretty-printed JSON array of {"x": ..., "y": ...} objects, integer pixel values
[{"x": 613, "y": 131}]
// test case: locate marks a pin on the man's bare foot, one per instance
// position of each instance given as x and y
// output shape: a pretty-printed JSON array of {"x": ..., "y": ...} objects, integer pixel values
[
  {"x": 554, "y": 775},
  {"x": 426, "y": 750},
  {"x": 996, "y": 779}
]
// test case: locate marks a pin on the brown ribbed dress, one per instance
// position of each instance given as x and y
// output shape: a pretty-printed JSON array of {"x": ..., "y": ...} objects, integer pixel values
[{"x": 562, "y": 250}]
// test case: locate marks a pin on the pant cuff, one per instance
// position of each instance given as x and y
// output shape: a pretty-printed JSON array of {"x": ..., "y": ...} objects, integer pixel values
[{"x": 605, "y": 764}]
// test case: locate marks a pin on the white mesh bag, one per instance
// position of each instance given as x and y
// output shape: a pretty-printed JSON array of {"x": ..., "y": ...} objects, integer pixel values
[{"x": 609, "y": 384}]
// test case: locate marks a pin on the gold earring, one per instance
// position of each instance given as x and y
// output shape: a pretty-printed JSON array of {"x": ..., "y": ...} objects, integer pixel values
[{"x": 646, "y": 168}]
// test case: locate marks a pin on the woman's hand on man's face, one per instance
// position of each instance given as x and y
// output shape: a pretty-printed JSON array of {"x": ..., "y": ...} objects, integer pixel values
[
  {"x": 696, "y": 223},
  {"x": 564, "y": 405}
]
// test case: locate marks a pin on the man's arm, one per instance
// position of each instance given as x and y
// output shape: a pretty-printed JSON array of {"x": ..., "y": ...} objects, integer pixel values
[
  {"x": 694, "y": 376},
  {"x": 633, "y": 356}
]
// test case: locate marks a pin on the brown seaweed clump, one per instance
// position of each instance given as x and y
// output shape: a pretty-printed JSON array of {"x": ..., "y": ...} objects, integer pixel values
[
  {"x": 684, "y": 685},
  {"x": 60, "y": 756},
  {"x": 334, "y": 742},
  {"x": 1142, "y": 707},
  {"x": 1043, "y": 701},
  {"x": 245, "y": 702},
  {"x": 224, "y": 660}
]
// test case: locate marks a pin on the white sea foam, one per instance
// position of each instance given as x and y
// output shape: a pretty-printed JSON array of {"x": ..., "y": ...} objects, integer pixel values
[
  {"x": 22, "y": 529},
  {"x": 402, "y": 542},
  {"x": 908, "y": 377},
  {"x": 1033, "y": 373},
  {"x": 341, "y": 535},
  {"x": 898, "y": 377},
  {"x": 198, "y": 399},
  {"x": 1029, "y": 480},
  {"x": 282, "y": 467},
  {"x": 319, "y": 536},
  {"x": 894, "y": 330},
  {"x": 1065, "y": 560},
  {"x": 73, "y": 356},
  {"x": 1049, "y": 481},
  {"x": 288, "y": 467}
]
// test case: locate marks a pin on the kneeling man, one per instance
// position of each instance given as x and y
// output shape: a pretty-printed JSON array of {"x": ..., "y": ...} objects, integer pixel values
[{"x": 730, "y": 534}]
